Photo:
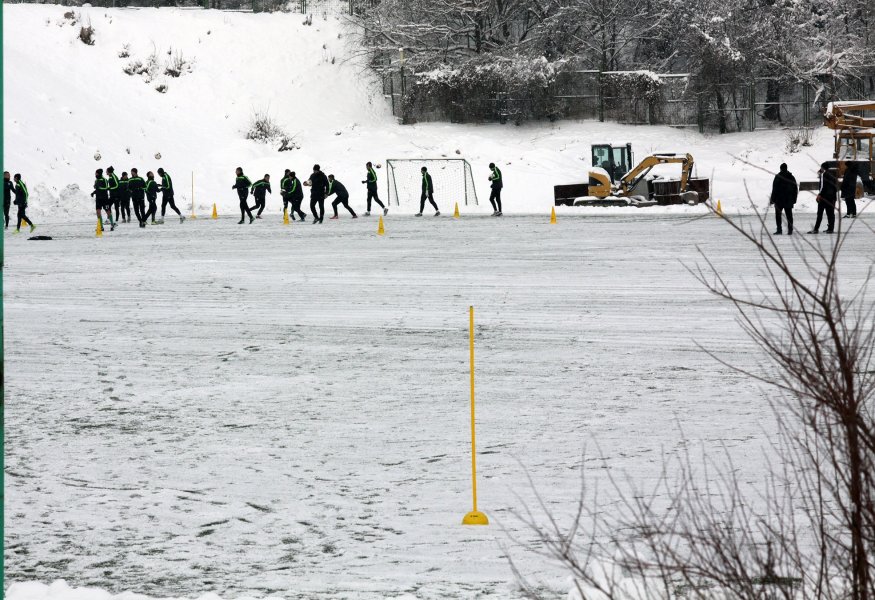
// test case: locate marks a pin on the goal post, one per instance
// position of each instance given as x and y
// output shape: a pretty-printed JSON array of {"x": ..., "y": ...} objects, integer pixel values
[{"x": 452, "y": 178}]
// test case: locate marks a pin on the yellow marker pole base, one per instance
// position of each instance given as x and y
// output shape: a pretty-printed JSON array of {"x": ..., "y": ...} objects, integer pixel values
[
  {"x": 475, "y": 518},
  {"x": 553, "y": 216},
  {"x": 719, "y": 210},
  {"x": 99, "y": 232},
  {"x": 456, "y": 212},
  {"x": 285, "y": 217},
  {"x": 192, "y": 216},
  {"x": 380, "y": 230},
  {"x": 215, "y": 212}
]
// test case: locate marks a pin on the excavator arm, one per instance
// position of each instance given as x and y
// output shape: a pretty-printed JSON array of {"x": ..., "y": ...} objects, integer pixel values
[{"x": 631, "y": 179}]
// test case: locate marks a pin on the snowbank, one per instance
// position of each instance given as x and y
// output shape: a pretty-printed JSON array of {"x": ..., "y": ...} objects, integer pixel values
[
  {"x": 68, "y": 103},
  {"x": 59, "y": 590}
]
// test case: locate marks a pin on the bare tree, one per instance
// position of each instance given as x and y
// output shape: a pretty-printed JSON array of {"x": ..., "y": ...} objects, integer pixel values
[{"x": 811, "y": 532}]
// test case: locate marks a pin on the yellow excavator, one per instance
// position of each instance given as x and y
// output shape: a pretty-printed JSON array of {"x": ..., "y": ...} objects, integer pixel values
[
  {"x": 613, "y": 182},
  {"x": 853, "y": 124}
]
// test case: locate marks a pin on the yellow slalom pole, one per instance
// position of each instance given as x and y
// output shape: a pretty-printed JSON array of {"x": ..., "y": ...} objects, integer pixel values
[
  {"x": 193, "y": 216},
  {"x": 474, "y": 517}
]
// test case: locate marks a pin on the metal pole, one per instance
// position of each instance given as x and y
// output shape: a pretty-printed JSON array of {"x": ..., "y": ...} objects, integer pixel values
[{"x": 473, "y": 432}]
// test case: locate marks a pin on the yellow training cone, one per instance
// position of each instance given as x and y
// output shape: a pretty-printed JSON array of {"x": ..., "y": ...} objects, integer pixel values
[
  {"x": 456, "y": 212},
  {"x": 215, "y": 212},
  {"x": 719, "y": 209},
  {"x": 553, "y": 216},
  {"x": 99, "y": 232},
  {"x": 380, "y": 230},
  {"x": 285, "y": 217}
]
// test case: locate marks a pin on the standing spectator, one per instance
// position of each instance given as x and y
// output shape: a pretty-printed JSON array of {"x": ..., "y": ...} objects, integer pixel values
[
  {"x": 8, "y": 189},
  {"x": 849, "y": 190},
  {"x": 826, "y": 199},
  {"x": 784, "y": 193}
]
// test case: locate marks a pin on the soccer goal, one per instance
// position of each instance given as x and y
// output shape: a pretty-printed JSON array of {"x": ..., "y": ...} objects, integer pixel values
[{"x": 452, "y": 179}]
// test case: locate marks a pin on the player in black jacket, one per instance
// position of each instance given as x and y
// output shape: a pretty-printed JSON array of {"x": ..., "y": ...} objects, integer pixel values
[
  {"x": 427, "y": 192},
  {"x": 259, "y": 189},
  {"x": 21, "y": 196},
  {"x": 495, "y": 194},
  {"x": 8, "y": 188},
  {"x": 101, "y": 197},
  {"x": 296, "y": 196},
  {"x": 241, "y": 184},
  {"x": 125, "y": 197},
  {"x": 318, "y": 183},
  {"x": 826, "y": 199},
  {"x": 114, "y": 191},
  {"x": 371, "y": 182},
  {"x": 337, "y": 188},
  {"x": 152, "y": 196},
  {"x": 137, "y": 190},
  {"x": 167, "y": 194}
]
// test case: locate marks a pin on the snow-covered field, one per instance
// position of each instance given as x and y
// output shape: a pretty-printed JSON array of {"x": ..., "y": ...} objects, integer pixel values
[
  {"x": 255, "y": 410},
  {"x": 66, "y": 102}
]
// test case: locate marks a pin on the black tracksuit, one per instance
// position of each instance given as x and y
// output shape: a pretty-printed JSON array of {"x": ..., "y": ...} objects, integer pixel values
[
  {"x": 101, "y": 195},
  {"x": 292, "y": 195},
  {"x": 21, "y": 197},
  {"x": 260, "y": 189},
  {"x": 137, "y": 189},
  {"x": 167, "y": 194},
  {"x": 784, "y": 193},
  {"x": 427, "y": 192},
  {"x": 152, "y": 197},
  {"x": 371, "y": 182},
  {"x": 241, "y": 184},
  {"x": 114, "y": 192},
  {"x": 125, "y": 199},
  {"x": 826, "y": 201},
  {"x": 495, "y": 194},
  {"x": 318, "y": 191},
  {"x": 849, "y": 191},
  {"x": 8, "y": 188},
  {"x": 335, "y": 187}
]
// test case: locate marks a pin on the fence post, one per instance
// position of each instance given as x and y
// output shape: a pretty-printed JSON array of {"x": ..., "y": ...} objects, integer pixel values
[
  {"x": 806, "y": 110},
  {"x": 392, "y": 91},
  {"x": 601, "y": 99},
  {"x": 700, "y": 113},
  {"x": 752, "y": 94}
]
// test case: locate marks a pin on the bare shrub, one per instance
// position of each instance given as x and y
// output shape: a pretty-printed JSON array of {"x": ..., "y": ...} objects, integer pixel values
[
  {"x": 125, "y": 52},
  {"x": 262, "y": 128},
  {"x": 134, "y": 67},
  {"x": 86, "y": 34},
  {"x": 161, "y": 88},
  {"x": 798, "y": 138},
  {"x": 177, "y": 65}
]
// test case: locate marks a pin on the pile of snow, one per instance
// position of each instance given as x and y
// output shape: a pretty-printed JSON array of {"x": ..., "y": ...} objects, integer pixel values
[{"x": 71, "y": 108}]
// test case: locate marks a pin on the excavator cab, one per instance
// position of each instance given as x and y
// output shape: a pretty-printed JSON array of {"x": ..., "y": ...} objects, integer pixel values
[{"x": 615, "y": 160}]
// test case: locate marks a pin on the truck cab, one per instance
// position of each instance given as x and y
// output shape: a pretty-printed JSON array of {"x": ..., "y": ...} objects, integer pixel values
[{"x": 615, "y": 160}]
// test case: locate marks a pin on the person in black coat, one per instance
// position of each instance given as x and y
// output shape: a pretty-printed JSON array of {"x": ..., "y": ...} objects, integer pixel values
[
  {"x": 495, "y": 194},
  {"x": 8, "y": 188},
  {"x": 137, "y": 190},
  {"x": 21, "y": 196},
  {"x": 241, "y": 184},
  {"x": 260, "y": 189},
  {"x": 849, "y": 190},
  {"x": 826, "y": 199},
  {"x": 318, "y": 183},
  {"x": 371, "y": 182},
  {"x": 125, "y": 197},
  {"x": 296, "y": 196},
  {"x": 784, "y": 193},
  {"x": 102, "y": 200},
  {"x": 427, "y": 193},
  {"x": 337, "y": 188}
]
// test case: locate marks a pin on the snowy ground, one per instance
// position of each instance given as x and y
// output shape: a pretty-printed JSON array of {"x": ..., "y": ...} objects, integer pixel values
[
  {"x": 66, "y": 103},
  {"x": 264, "y": 410}
]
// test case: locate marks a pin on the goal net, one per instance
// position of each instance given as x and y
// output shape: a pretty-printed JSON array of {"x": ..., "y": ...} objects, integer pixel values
[{"x": 452, "y": 179}]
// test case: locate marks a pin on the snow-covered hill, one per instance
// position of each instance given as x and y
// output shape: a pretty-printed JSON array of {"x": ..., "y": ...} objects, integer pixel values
[{"x": 67, "y": 102}]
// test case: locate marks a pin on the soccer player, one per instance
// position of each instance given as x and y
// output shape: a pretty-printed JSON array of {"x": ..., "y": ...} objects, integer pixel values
[
  {"x": 21, "y": 197},
  {"x": 8, "y": 189},
  {"x": 296, "y": 196},
  {"x": 495, "y": 194},
  {"x": 371, "y": 182},
  {"x": 259, "y": 189},
  {"x": 241, "y": 184},
  {"x": 427, "y": 192},
  {"x": 125, "y": 197},
  {"x": 114, "y": 195},
  {"x": 137, "y": 189},
  {"x": 151, "y": 196},
  {"x": 101, "y": 197},
  {"x": 337, "y": 188},
  {"x": 166, "y": 188},
  {"x": 318, "y": 188}
]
